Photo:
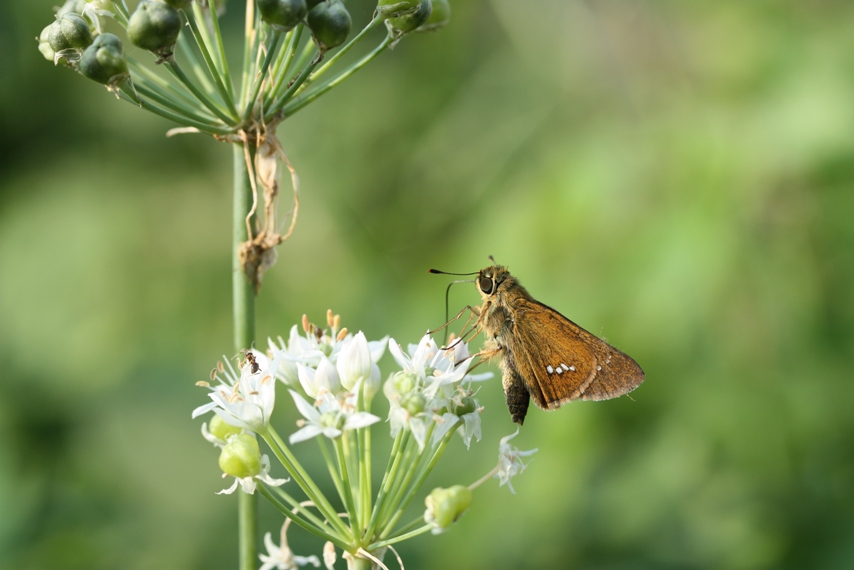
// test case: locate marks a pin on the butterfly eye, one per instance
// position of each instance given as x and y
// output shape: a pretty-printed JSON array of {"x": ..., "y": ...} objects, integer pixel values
[{"x": 486, "y": 285}]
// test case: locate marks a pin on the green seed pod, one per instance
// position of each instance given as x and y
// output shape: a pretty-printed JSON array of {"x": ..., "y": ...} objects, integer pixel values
[
  {"x": 241, "y": 457},
  {"x": 177, "y": 4},
  {"x": 407, "y": 6},
  {"x": 221, "y": 430},
  {"x": 439, "y": 18},
  {"x": 44, "y": 43},
  {"x": 409, "y": 22},
  {"x": 282, "y": 14},
  {"x": 330, "y": 24},
  {"x": 75, "y": 6},
  {"x": 104, "y": 61},
  {"x": 444, "y": 506},
  {"x": 154, "y": 26},
  {"x": 70, "y": 31}
]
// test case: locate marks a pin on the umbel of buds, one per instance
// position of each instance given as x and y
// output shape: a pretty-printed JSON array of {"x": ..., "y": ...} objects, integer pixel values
[
  {"x": 329, "y": 22},
  {"x": 104, "y": 60},
  {"x": 154, "y": 26},
  {"x": 283, "y": 15}
]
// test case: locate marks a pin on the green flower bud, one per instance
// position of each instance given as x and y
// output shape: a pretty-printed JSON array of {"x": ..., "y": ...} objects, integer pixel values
[
  {"x": 70, "y": 32},
  {"x": 282, "y": 14},
  {"x": 439, "y": 18},
  {"x": 241, "y": 457},
  {"x": 412, "y": 20},
  {"x": 444, "y": 506},
  {"x": 404, "y": 382},
  {"x": 177, "y": 4},
  {"x": 467, "y": 406},
  {"x": 405, "y": 6},
  {"x": 75, "y": 6},
  {"x": 44, "y": 43},
  {"x": 104, "y": 61},
  {"x": 330, "y": 24},
  {"x": 413, "y": 403},
  {"x": 220, "y": 429},
  {"x": 154, "y": 26}
]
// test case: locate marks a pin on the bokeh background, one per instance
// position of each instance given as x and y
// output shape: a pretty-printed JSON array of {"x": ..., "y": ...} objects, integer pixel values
[{"x": 674, "y": 176}]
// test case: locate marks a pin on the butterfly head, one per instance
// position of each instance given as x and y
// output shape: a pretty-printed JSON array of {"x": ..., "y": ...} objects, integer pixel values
[{"x": 493, "y": 279}]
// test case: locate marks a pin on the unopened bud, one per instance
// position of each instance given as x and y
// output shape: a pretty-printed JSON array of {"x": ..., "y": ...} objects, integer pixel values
[
  {"x": 241, "y": 457},
  {"x": 444, "y": 506},
  {"x": 467, "y": 406},
  {"x": 330, "y": 24},
  {"x": 282, "y": 14},
  {"x": 222, "y": 430},
  {"x": 154, "y": 26},
  {"x": 404, "y": 382},
  {"x": 104, "y": 60},
  {"x": 413, "y": 403}
]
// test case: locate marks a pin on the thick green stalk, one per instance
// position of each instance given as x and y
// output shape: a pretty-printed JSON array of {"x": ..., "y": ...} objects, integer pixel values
[{"x": 244, "y": 335}]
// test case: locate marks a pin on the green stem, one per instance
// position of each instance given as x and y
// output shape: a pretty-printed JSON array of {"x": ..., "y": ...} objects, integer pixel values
[
  {"x": 259, "y": 76},
  {"x": 399, "y": 538},
  {"x": 223, "y": 91},
  {"x": 173, "y": 66},
  {"x": 222, "y": 60},
  {"x": 287, "y": 61},
  {"x": 303, "y": 100},
  {"x": 180, "y": 119},
  {"x": 187, "y": 51},
  {"x": 394, "y": 458},
  {"x": 293, "y": 87},
  {"x": 344, "y": 49},
  {"x": 334, "y": 539},
  {"x": 304, "y": 480},
  {"x": 344, "y": 469},
  {"x": 420, "y": 480},
  {"x": 306, "y": 511},
  {"x": 244, "y": 335}
]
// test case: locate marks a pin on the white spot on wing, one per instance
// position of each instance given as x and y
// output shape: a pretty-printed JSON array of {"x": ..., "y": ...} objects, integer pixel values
[
  {"x": 564, "y": 366},
  {"x": 572, "y": 368},
  {"x": 549, "y": 369},
  {"x": 598, "y": 368},
  {"x": 559, "y": 370}
]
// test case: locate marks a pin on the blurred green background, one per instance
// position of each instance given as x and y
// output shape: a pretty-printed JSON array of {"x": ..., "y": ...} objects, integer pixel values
[{"x": 674, "y": 176}]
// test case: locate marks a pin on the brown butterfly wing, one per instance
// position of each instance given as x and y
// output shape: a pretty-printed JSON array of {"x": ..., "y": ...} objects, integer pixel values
[{"x": 561, "y": 362}]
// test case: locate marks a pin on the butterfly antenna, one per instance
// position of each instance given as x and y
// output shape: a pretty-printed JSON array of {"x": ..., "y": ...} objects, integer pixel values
[
  {"x": 448, "y": 296},
  {"x": 492, "y": 259}
]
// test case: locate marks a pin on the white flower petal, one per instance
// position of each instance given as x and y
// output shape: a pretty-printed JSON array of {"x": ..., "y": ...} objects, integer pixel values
[
  {"x": 305, "y": 433},
  {"x": 360, "y": 420}
]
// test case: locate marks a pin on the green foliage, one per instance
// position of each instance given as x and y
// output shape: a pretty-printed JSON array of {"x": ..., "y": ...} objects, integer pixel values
[{"x": 673, "y": 176}]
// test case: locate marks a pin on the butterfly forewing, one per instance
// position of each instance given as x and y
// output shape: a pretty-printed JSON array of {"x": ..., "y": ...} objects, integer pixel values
[
  {"x": 568, "y": 363},
  {"x": 552, "y": 354}
]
